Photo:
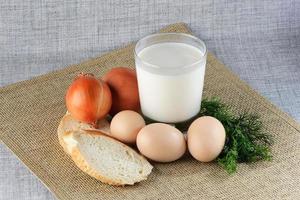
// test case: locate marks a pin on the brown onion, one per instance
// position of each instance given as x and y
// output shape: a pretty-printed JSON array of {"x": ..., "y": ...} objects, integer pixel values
[
  {"x": 124, "y": 89},
  {"x": 88, "y": 99}
]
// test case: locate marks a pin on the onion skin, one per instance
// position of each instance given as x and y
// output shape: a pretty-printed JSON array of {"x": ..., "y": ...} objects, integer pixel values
[
  {"x": 88, "y": 99},
  {"x": 124, "y": 89}
]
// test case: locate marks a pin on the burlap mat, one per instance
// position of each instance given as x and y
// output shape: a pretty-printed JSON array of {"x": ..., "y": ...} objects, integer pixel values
[{"x": 31, "y": 110}]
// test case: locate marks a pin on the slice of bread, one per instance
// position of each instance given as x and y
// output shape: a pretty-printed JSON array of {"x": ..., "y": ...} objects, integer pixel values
[
  {"x": 68, "y": 123},
  {"x": 101, "y": 156}
]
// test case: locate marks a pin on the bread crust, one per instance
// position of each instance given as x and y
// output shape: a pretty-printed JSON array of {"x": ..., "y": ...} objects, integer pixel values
[{"x": 68, "y": 126}]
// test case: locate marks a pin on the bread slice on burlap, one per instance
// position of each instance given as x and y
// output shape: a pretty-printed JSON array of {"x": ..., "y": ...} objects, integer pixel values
[{"x": 101, "y": 156}]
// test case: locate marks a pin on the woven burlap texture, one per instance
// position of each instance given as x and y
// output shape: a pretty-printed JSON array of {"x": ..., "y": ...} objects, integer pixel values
[{"x": 31, "y": 110}]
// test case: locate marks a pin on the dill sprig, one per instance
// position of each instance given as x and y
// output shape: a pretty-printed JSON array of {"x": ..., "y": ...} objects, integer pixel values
[{"x": 245, "y": 139}]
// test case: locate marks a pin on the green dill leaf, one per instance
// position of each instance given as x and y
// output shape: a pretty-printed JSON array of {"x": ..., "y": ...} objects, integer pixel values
[{"x": 245, "y": 139}]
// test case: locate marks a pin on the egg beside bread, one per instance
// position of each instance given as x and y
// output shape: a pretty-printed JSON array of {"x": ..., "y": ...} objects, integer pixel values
[
  {"x": 125, "y": 126},
  {"x": 161, "y": 142}
]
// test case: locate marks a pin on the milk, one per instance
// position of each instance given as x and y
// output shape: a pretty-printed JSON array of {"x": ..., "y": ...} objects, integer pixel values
[{"x": 170, "y": 81}]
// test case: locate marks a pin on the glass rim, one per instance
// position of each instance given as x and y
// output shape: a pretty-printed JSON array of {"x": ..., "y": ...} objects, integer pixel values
[{"x": 153, "y": 66}]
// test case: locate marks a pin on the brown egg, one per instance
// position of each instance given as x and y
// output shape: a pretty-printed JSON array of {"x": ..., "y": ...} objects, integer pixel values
[
  {"x": 206, "y": 138},
  {"x": 161, "y": 142},
  {"x": 125, "y": 126},
  {"x": 124, "y": 89}
]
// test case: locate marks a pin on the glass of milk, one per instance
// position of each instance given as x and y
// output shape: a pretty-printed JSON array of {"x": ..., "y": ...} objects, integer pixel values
[{"x": 170, "y": 71}]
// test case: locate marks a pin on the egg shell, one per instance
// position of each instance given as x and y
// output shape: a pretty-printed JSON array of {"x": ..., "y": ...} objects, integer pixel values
[
  {"x": 206, "y": 138},
  {"x": 161, "y": 142},
  {"x": 125, "y": 126}
]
